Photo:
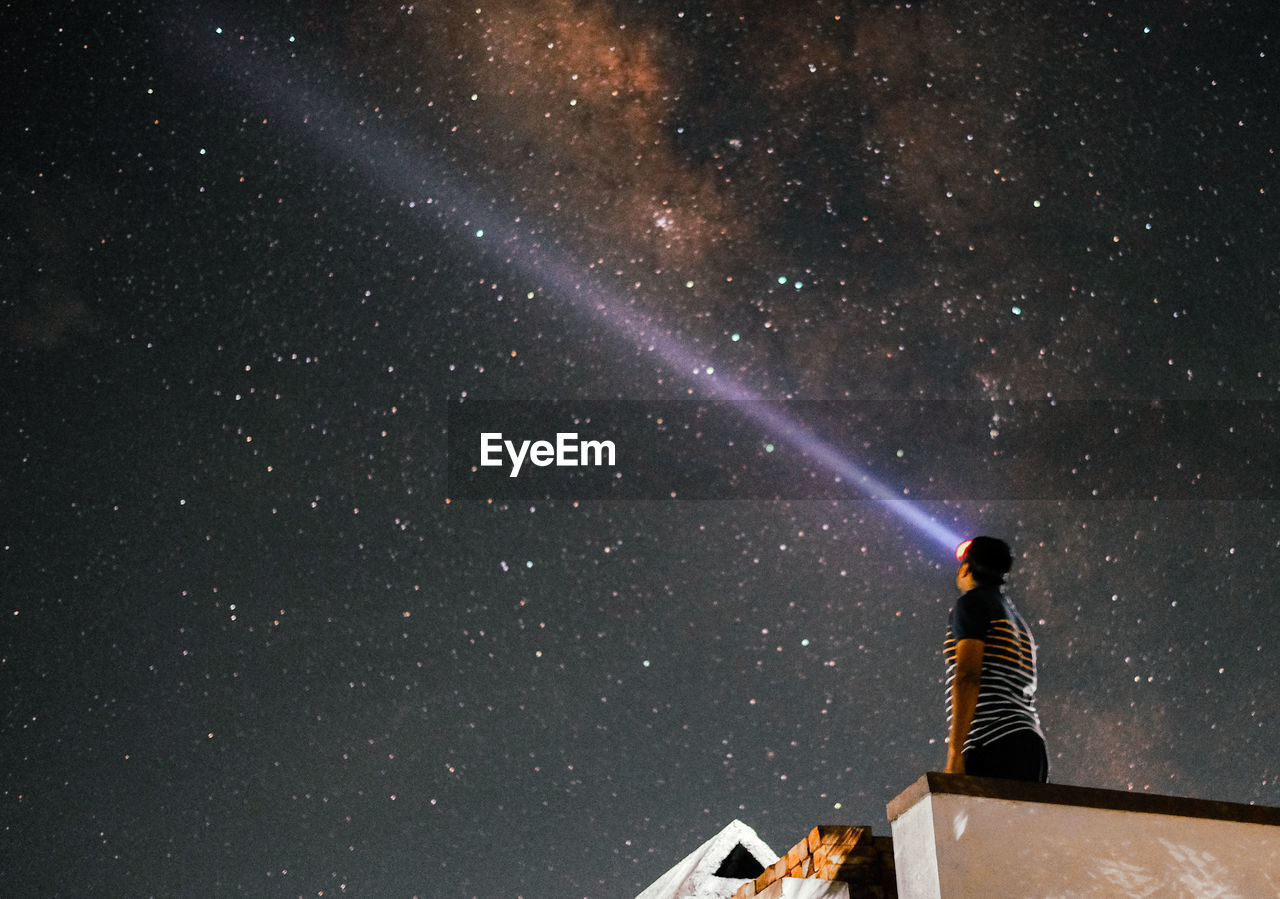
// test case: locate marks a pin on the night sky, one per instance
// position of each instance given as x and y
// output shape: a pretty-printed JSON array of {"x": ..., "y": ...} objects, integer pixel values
[{"x": 256, "y": 642}]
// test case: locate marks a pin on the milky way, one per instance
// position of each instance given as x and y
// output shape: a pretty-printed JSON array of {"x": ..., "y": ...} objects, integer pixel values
[{"x": 256, "y": 641}]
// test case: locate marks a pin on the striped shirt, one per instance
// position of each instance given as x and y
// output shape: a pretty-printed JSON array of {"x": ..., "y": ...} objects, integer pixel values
[{"x": 1007, "y": 695}]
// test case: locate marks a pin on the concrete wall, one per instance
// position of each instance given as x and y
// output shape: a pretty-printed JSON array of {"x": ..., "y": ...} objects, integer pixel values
[{"x": 957, "y": 836}]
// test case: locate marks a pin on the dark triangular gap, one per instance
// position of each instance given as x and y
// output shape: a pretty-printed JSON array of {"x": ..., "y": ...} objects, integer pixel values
[{"x": 739, "y": 864}]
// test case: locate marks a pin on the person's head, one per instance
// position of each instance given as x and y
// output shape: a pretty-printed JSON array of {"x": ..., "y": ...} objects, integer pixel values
[{"x": 983, "y": 561}]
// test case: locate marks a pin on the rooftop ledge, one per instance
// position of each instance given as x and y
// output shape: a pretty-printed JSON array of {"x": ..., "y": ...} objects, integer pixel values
[{"x": 963, "y": 836}]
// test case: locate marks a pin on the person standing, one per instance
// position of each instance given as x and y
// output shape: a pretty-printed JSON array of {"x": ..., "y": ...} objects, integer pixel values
[{"x": 994, "y": 728}]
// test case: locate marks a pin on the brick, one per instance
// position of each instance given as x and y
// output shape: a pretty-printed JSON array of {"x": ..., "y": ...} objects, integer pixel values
[
  {"x": 841, "y": 834},
  {"x": 860, "y": 871},
  {"x": 834, "y": 841},
  {"x": 835, "y": 852},
  {"x": 776, "y": 871},
  {"x": 796, "y": 855}
]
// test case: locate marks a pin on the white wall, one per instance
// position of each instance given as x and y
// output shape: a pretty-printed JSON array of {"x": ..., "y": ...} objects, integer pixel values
[
  {"x": 955, "y": 844},
  {"x": 804, "y": 888}
]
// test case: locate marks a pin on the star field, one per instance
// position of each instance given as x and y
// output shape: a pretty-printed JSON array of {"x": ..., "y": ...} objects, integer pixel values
[{"x": 255, "y": 641}]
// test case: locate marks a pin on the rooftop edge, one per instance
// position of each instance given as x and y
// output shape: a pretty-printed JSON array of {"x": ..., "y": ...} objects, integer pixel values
[{"x": 1090, "y": 797}]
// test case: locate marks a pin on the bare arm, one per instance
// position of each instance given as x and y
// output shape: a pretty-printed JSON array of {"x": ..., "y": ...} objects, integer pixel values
[{"x": 964, "y": 700}]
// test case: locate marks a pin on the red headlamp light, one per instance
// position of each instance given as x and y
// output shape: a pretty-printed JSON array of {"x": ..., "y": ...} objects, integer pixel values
[{"x": 962, "y": 549}]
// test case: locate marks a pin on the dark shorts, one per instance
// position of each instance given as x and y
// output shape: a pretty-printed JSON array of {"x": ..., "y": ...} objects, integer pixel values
[{"x": 1019, "y": 756}]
